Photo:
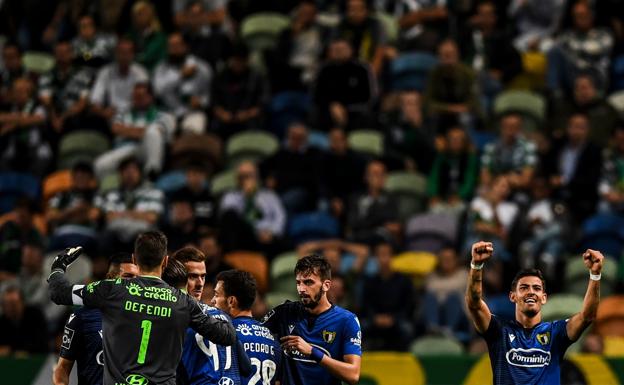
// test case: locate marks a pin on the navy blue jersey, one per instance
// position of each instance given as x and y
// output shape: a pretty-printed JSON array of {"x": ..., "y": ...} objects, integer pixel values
[
  {"x": 82, "y": 342},
  {"x": 206, "y": 363},
  {"x": 336, "y": 332},
  {"x": 526, "y": 356},
  {"x": 261, "y": 348}
]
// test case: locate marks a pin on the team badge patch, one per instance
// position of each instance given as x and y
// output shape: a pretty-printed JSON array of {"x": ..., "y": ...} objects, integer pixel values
[
  {"x": 543, "y": 338},
  {"x": 328, "y": 336}
]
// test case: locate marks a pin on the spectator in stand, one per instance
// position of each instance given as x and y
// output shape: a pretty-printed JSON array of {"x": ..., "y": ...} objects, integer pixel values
[
  {"x": 293, "y": 171},
  {"x": 491, "y": 217},
  {"x": 142, "y": 132},
  {"x": 239, "y": 95},
  {"x": 374, "y": 213},
  {"x": 23, "y": 327},
  {"x": 208, "y": 243},
  {"x": 451, "y": 89},
  {"x": 71, "y": 215},
  {"x": 342, "y": 172},
  {"x": 409, "y": 139},
  {"x": 12, "y": 69},
  {"x": 585, "y": 48},
  {"x": 134, "y": 207},
  {"x": 296, "y": 59},
  {"x": 423, "y": 24},
  {"x": 344, "y": 90},
  {"x": 587, "y": 100},
  {"x": 511, "y": 156},
  {"x": 31, "y": 279},
  {"x": 442, "y": 309},
  {"x": 611, "y": 186},
  {"x": 147, "y": 35},
  {"x": 92, "y": 48},
  {"x": 64, "y": 91},
  {"x": 181, "y": 227},
  {"x": 112, "y": 91},
  {"x": 14, "y": 234},
  {"x": 213, "y": 15},
  {"x": 489, "y": 52},
  {"x": 182, "y": 82},
  {"x": 387, "y": 303},
  {"x": 536, "y": 21},
  {"x": 574, "y": 168},
  {"x": 252, "y": 218},
  {"x": 23, "y": 141},
  {"x": 206, "y": 42},
  {"x": 364, "y": 33},
  {"x": 454, "y": 174},
  {"x": 197, "y": 192}
]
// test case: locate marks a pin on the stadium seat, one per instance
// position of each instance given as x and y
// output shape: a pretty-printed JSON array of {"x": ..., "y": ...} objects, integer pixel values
[
  {"x": 431, "y": 231},
  {"x": 311, "y": 226},
  {"x": 286, "y": 108},
  {"x": 409, "y": 71},
  {"x": 390, "y": 25},
  {"x": 529, "y": 104},
  {"x": 223, "y": 182},
  {"x": 78, "y": 146},
  {"x": 14, "y": 185},
  {"x": 57, "y": 182},
  {"x": 370, "y": 142},
  {"x": 610, "y": 316},
  {"x": 604, "y": 232},
  {"x": 38, "y": 62},
  {"x": 415, "y": 264},
  {"x": 261, "y": 30},
  {"x": 435, "y": 346},
  {"x": 250, "y": 145},
  {"x": 576, "y": 276},
  {"x": 171, "y": 181},
  {"x": 109, "y": 182},
  {"x": 282, "y": 272},
  {"x": 254, "y": 263},
  {"x": 617, "y": 76},
  {"x": 561, "y": 306},
  {"x": 613, "y": 346},
  {"x": 202, "y": 148},
  {"x": 409, "y": 189}
]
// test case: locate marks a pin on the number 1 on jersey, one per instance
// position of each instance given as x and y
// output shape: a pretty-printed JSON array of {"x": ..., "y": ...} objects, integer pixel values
[{"x": 146, "y": 325}]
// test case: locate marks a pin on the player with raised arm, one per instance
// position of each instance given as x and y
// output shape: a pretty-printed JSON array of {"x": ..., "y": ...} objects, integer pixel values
[
  {"x": 204, "y": 362},
  {"x": 82, "y": 337},
  {"x": 235, "y": 293},
  {"x": 527, "y": 350},
  {"x": 142, "y": 317},
  {"x": 321, "y": 341}
]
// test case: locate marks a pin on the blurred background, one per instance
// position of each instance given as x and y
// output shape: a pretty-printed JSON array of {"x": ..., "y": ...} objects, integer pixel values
[{"x": 386, "y": 135}]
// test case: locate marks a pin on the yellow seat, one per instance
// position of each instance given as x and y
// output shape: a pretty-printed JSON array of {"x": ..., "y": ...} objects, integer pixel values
[{"x": 415, "y": 263}]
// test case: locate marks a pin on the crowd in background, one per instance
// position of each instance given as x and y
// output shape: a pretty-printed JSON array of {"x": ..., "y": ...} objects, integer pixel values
[{"x": 169, "y": 86}]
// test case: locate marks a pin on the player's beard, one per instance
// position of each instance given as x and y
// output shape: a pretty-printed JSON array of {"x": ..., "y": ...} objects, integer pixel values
[{"x": 313, "y": 302}]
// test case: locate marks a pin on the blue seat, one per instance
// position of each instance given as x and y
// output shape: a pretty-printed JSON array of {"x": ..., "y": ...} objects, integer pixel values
[
  {"x": 617, "y": 77},
  {"x": 14, "y": 185},
  {"x": 286, "y": 108},
  {"x": 409, "y": 71},
  {"x": 171, "y": 181},
  {"x": 312, "y": 225},
  {"x": 604, "y": 232}
]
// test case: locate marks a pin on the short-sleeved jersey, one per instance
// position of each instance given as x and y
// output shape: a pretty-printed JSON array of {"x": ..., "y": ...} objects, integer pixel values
[
  {"x": 526, "y": 356},
  {"x": 336, "y": 332},
  {"x": 82, "y": 343},
  {"x": 206, "y": 363},
  {"x": 262, "y": 349},
  {"x": 144, "y": 324}
]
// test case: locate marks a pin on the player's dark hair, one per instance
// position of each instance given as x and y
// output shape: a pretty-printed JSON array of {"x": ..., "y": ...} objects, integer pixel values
[
  {"x": 528, "y": 273},
  {"x": 149, "y": 249},
  {"x": 115, "y": 261},
  {"x": 314, "y": 264},
  {"x": 175, "y": 274},
  {"x": 189, "y": 254},
  {"x": 239, "y": 284}
]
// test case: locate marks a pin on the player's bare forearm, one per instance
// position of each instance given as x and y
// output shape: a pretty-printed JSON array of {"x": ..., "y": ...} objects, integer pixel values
[
  {"x": 347, "y": 370},
  {"x": 474, "y": 291},
  {"x": 63, "y": 368},
  {"x": 580, "y": 321},
  {"x": 479, "y": 311}
]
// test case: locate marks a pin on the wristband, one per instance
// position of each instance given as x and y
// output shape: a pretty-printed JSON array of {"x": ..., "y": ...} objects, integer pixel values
[
  {"x": 316, "y": 354},
  {"x": 478, "y": 266},
  {"x": 595, "y": 277}
]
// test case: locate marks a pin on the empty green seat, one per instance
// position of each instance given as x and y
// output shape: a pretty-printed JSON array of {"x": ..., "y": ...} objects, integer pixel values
[
  {"x": 367, "y": 141},
  {"x": 436, "y": 345},
  {"x": 250, "y": 145},
  {"x": 223, "y": 182},
  {"x": 406, "y": 183},
  {"x": 81, "y": 145},
  {"x": 390, "y": 25},
  {"x": 261, "y": 30},
  {"x": 576, "y": 276},
  {"x": 274, "y": 298},
  {"x": 38, "y": 62},
  {"x": 529, "y": 104},
  {"x": 109, "y": 182},
  {"x": 282, "y": 273},
  {"x": 561, "y": 306}
]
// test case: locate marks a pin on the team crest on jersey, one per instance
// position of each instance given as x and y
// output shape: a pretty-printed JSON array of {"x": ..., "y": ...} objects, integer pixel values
[
  {"x": 328, "y": 336},
  {"x": 543, "y": 338}
]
